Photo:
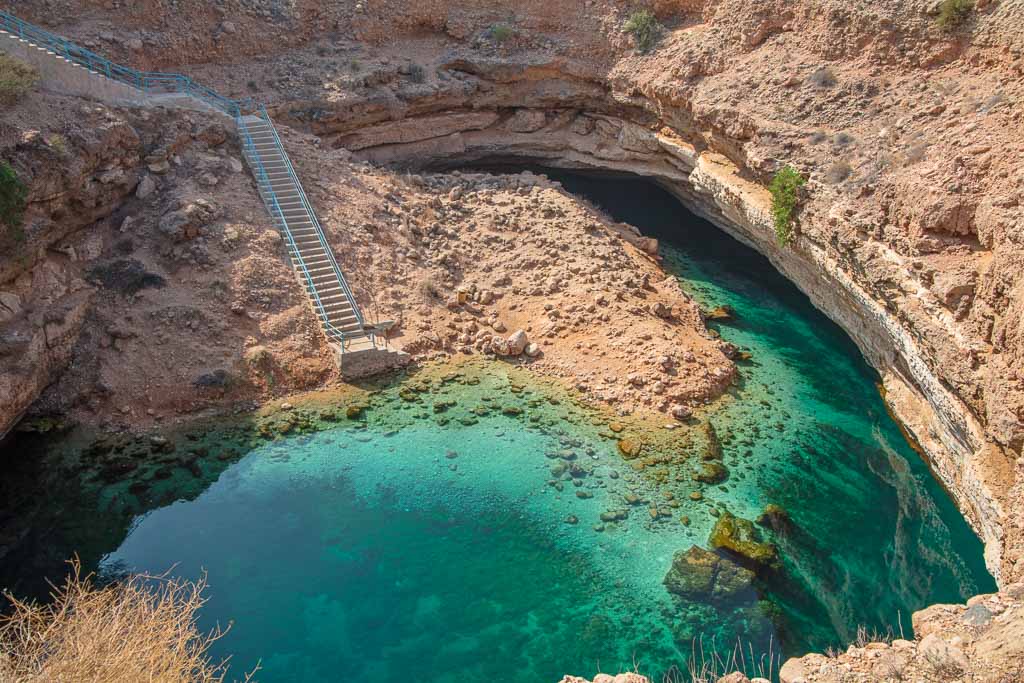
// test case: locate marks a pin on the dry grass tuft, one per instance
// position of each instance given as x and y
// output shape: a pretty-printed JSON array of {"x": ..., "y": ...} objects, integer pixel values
[
  {"x": 140, "y": 629},
  {"x": 707, "y": 664}
]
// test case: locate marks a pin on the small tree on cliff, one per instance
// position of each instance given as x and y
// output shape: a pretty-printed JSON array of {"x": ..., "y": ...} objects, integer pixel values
[
  {"x": 784, "y": 187},
  {"x": 645, "y": 29},
  {"x": 953, "y": 13},
  {"x": 12, "y": 200}
]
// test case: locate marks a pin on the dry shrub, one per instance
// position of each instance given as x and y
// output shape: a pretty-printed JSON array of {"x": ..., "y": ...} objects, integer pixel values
[
  {"x": 838, "y": 172},
  {"x": 822, "y": 77},
  {"x": 140, "y": 629},
  {"x": 16, "y": 79}
]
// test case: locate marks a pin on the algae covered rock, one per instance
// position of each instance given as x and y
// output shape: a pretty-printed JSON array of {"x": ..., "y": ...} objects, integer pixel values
[
  {"x": 741, "y": 538},
  {"x": 698, "y": 574},
  {"x": 714, "y": 447},
  {"x": 629, "y": 448},
  {"x": 711, "y": 473}
]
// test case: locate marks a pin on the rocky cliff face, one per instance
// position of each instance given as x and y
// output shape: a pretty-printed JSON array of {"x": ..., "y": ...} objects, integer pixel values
[
  {"x": 129, "y": 292},
  {"x": 73, "y": 179}
]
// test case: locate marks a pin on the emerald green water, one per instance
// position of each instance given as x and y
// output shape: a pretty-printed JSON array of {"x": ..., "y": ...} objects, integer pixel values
[{"x": 430, "y": 539}]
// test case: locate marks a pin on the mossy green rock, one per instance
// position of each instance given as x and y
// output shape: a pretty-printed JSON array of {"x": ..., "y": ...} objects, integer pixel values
[
  {"x": 740, "y": 537},
  {"x": 698, "y": 575}
]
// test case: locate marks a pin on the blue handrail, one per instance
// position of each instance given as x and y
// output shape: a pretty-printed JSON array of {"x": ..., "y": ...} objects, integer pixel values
[
  {"x": 312, "y": 214},
  {"x": 147, "y": 82},
  {"x": 271, "y": 200}
]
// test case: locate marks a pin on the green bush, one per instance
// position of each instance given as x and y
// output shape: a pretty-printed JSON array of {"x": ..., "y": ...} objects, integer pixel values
[
  {"x": 645, "y": 29},
  {"x": 501, "y": 32},
  {"x": 16, "y": 79},
  {"x": 784, "y": 188},
  {"x": 12, "y": 199},
  {"x": 952, "y": 13}
]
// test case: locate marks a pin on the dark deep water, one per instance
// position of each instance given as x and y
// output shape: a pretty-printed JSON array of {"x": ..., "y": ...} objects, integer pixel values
[{"x": 426, "y": 544}]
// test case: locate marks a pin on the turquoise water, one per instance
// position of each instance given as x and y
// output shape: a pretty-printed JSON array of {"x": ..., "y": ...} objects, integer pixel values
[{"x": 455, "y": 533}]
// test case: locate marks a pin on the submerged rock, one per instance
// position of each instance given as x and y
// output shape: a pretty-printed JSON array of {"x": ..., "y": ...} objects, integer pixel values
[
  {"x": 629, "y": 448},
  {"x": 721, "y": 313},
  {"x": 714, "y": 448},
  {"x": 711, "y": 473},
  {"x": 775, "y": 517},
  {"x": 740, "y": 537},
  {"x": 698, "y": 574},
  {"x": 614, "y": 515}
]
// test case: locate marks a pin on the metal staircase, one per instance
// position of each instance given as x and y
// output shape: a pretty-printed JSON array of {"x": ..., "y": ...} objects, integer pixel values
[
  {"x": 308, "y": 249},
  {"x": 279, "y": 186}
]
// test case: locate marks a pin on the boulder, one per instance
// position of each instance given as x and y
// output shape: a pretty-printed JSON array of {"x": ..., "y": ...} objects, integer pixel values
[
  {"x": 681, "y": 412},
  {"x": 734, "y": 677},
  {"x": 500, "y": 347},
  {"x": 517, "y": 342},
  {"x": 721, "y": 313},
  {"x": 629, "y": 448},
  {"x": 527, "y": 120},
  {"x": 711, "y": 473},
  {"x": 648, "y": 245},
  {"x": 741, "y": 539},
  {"x": 699, "y": 575},
  {"x": 146, "y": 187},
  {"x": 187, "y": 222},
  {"x": 775, "y": 517}
]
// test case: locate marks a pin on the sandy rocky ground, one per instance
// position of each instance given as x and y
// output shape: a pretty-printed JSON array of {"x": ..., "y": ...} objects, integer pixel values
[
  {"x": 911, "y": 138},
  {"x": 190, "y": 301}
]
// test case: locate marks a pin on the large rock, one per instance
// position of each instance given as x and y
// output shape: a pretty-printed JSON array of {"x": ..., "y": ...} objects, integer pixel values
[
  {"x": 517, "y": 342},
  {"x": 711, "y": 473},
  {"x": 740, "y": 538},
  {"x": 700, "y": 575},
  {"x": 146, "y": 187},
  {"x": 527, "y": 121},
  {"x": 187, "y": 222}
]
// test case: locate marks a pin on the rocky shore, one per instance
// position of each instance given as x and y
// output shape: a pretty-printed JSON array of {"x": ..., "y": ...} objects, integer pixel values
[{"x": 181, "y": 272}]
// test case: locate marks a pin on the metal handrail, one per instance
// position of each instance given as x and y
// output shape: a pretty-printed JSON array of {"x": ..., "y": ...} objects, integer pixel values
[
  {"x": 147, "y": 82},
  {"x": 312, "y": 215},
  {"x": 152, "y": 82},
  {"x": 270, "y": 198}
]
